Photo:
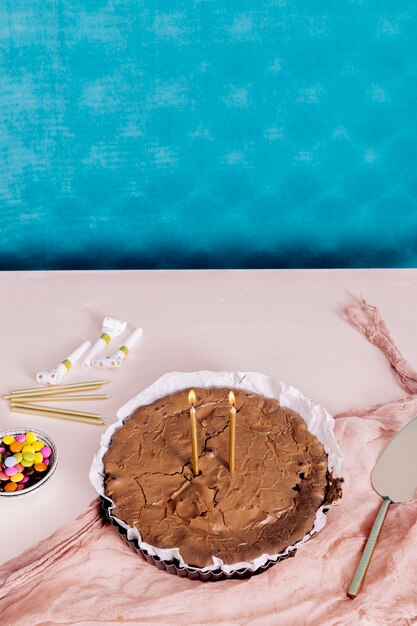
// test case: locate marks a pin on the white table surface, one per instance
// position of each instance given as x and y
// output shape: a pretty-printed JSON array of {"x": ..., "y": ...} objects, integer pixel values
[{"x": 287, "y": 324}]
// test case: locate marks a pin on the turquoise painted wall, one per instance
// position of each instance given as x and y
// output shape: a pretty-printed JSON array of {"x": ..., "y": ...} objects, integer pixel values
[{"x": 207, "y": 133}]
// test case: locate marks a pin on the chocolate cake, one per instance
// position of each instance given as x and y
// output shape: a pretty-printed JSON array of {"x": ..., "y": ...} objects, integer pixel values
[{"x": 267, "y": 504}]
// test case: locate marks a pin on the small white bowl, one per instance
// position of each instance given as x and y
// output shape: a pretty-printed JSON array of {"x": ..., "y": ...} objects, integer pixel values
[{"x": 51, "y": 468}]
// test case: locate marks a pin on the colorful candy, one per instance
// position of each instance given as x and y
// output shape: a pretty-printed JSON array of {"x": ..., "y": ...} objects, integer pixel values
[
  {"x": 31, "y": 437},
  {"x": 17, "y": 477},
  {"x": 40, "y": 467},
  {"x": 24, "y": 460}
]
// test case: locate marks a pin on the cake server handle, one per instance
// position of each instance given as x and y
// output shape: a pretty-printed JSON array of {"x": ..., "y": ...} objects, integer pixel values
[{"x": 368, "y": 551}]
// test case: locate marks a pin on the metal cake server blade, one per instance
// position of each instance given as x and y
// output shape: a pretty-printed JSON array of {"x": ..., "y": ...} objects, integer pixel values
[{"x": 395, "y": 479}]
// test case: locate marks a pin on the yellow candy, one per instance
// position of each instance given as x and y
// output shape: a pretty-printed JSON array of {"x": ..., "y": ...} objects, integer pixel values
[
  {"x": 8, "y": 439},
  {"x": 17, "y": 477},
  {"x": 31, "y": 437},
  {"x": 27, "y": 449},
  {"x": 38, "y": 445},
  {"x": 29, "y": 456},
  {"x": 26, "y": 463},
  {"x": 38, "y": 457}
]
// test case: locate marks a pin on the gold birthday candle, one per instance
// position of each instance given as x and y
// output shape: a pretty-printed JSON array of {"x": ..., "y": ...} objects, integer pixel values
[
  {"x": 193, "y": 428},
  {"x": 232, "y": 432}
]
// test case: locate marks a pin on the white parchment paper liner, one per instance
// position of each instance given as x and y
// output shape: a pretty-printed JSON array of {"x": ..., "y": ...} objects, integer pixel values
[{"x": 318, "y": 420}]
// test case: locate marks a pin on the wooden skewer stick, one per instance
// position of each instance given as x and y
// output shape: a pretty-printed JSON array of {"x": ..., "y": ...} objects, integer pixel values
[
  {"x": 62, "y": 389},
  {"x": 54, "y": 409},
  {"x": 60, "y": 416},
  {"x": 65, "y": 398}
]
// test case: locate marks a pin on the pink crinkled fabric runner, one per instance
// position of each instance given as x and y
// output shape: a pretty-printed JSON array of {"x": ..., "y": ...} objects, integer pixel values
[
  {"x": 85, "y": 574},
  {"x": 369, "y": 321}
]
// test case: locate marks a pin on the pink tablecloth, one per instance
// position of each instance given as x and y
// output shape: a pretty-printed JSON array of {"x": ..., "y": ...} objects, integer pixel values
[{"x": 85, "y": 574}]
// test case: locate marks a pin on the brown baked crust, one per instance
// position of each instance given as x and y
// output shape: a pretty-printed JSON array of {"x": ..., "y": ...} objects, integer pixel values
[{"x": 269, "y": 503}]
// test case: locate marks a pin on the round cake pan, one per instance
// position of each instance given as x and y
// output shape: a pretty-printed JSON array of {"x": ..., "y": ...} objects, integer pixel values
[
  {"x": 173, "y": 567},
  {"x": 43, "y": 437}
]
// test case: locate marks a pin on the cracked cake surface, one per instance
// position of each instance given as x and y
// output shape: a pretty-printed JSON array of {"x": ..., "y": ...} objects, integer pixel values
[{"x": 268, "y": 503}]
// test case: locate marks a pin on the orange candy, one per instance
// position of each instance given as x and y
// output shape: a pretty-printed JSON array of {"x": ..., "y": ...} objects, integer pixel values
[
  {"x": 15, "y": 447},
  {"x": 10, "y": 487},
  {"x": 40, "y": 467}
]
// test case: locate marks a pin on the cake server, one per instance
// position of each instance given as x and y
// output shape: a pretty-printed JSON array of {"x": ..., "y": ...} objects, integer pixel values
[{"x": 395, "y": 479}]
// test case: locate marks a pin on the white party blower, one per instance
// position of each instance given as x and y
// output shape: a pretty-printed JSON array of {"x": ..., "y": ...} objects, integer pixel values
[
  {"x": 116, "y": 359},
  {"x": 54, "y": 376},
  {"x": 111, "y": 328}
]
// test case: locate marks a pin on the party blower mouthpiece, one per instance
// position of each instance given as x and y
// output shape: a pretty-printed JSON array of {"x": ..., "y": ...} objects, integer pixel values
[
  {"x": 54, "y": 376},
  {"x": 111, "y": 328},
  {"x": 116, "y": 359}
]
